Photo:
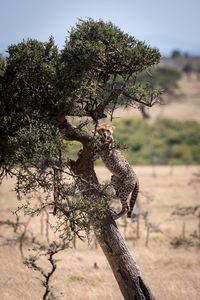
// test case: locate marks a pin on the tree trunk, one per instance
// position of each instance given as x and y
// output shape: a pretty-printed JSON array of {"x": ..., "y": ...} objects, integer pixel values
[
  {"x": 112, "y": 243},
  {"x": 124, "y": 267}
]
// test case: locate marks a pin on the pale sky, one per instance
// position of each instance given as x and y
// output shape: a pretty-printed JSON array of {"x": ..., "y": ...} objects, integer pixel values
[{"x": 165, "y": 24}]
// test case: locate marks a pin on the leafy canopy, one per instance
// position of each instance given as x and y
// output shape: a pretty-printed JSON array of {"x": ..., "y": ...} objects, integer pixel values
[
  {"x": 95, "y": 56},
  {"x": 41, "y": 88},
  {"x": 89, "y": 77}
]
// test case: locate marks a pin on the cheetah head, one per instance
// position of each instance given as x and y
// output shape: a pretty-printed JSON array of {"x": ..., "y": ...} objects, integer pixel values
[{"x": 105, "y": 131}]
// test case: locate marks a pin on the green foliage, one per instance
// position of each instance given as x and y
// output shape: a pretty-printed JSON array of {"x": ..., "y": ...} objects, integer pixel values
[
  {"x": 163, "y": 142},
  {"x": 27, "y": 94},
  {"x": 30, "y": 78},
  {"x": 93, "y": 45},
  {"x": 30, "y": 146},
  {"x": 41, "y": 88},
  {"x": 95, "y": 56},
  {"x": 2, "y": 66}
]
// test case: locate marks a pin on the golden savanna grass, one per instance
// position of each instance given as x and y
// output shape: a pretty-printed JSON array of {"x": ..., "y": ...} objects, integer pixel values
[
  {"x": 83, "y": 273},
  {"x": 171, "y": 273}
]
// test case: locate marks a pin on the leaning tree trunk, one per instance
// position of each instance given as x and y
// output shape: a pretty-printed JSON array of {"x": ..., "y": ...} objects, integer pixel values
[
  {"x": 123, "y": 265},
  {"x": 112, "y": 243}
]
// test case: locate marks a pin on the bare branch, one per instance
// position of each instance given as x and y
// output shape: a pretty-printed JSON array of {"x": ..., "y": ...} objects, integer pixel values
[
  {"x": 138, "y": 99},
  {"x": 71, "y": 132}
]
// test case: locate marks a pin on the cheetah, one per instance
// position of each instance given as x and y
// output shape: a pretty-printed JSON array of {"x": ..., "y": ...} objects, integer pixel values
[{"x": 124, "y": 179}]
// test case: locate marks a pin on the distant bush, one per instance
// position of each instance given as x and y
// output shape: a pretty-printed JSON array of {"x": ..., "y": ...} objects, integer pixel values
[
  {"x": 161, "y": 78},
  {"x": 163, "y": 142},
  {"x": 180, "y": 241}
]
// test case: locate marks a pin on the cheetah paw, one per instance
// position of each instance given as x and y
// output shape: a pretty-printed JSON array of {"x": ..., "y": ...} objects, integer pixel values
[{"x": 114, "y": 215}]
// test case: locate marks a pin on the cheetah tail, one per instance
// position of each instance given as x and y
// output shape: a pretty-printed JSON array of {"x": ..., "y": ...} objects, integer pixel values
[{"x": 133, "y": 199}]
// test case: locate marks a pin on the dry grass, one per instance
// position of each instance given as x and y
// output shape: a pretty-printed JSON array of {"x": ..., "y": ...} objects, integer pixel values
[{"x": 171, "y": 273}]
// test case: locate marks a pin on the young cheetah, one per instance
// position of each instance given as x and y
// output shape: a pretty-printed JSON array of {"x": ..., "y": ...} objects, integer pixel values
[{"x": 124, "y": 179}]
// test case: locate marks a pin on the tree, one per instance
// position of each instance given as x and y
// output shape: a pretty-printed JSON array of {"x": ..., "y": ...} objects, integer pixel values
[
  {"x": 187, "y": 69},
  {"x": 43, "y": 92},
  {"x": 2, "y": 67},
  {"x": 176, "y": 54}
]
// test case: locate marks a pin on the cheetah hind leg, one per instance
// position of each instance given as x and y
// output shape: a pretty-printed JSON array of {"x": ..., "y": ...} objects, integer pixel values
[
  {"x": 133, "y": 199},
  {"x": 125, "y": 207},
  {"x": 119, "y": 215}
]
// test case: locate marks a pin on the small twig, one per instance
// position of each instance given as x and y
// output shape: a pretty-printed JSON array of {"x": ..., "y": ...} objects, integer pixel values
[
  {"x": 22, "y": 237},
  {"x": 51, "y": 250},
  {"x": 48, "y": 275}
]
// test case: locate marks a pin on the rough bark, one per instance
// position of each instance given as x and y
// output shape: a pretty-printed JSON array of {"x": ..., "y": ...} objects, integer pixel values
[{"x": 122, "y": 263}]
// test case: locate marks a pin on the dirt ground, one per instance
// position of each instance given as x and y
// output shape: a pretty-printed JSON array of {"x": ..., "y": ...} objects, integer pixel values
[{"x": 83, "y": 273}]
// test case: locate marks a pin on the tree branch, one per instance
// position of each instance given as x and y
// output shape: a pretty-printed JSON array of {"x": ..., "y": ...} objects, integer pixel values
[
  {"x": 152, "y": 99},
  {"x": 70, "y": 132}
]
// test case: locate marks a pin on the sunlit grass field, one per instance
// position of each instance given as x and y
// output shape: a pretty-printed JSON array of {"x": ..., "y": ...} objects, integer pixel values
[{"x": 83, "y": 273}]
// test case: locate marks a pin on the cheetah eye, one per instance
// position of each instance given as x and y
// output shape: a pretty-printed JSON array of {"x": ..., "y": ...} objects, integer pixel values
[
  {"x": 108, "y": 132},
  {"x": 100, "y": 131}
]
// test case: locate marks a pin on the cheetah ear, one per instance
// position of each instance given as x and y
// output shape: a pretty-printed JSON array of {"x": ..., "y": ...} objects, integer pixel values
[
  {"x": 113, "y": 128},
  {"x": 106, "y": 127},
  {"x": 109, "y": 127},
  {"x": 101, "y": 126}
]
